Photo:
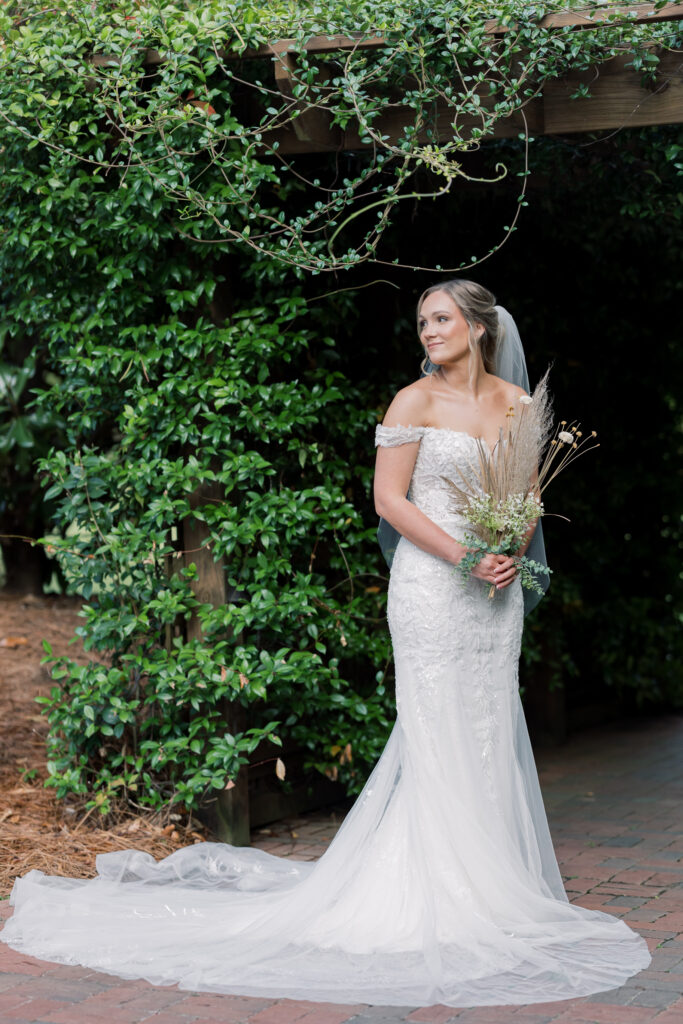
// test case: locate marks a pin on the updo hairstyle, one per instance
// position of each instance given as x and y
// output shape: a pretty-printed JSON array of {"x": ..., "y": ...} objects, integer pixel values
[{"x": 477, "y": 305}]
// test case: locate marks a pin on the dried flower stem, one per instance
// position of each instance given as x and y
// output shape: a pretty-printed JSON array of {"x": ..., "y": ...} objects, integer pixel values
[{"x": 502, "y": 495}]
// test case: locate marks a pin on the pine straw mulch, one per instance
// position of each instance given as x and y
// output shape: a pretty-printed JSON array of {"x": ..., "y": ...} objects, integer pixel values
[{"x": 36, "y": 830}]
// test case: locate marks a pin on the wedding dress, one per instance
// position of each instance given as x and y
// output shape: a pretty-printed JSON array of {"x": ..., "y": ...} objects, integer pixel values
[{"x": 441, "y": 885}]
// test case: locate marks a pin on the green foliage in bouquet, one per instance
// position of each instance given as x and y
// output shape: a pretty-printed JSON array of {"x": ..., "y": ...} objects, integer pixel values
[{"x": 528, "y": 569}]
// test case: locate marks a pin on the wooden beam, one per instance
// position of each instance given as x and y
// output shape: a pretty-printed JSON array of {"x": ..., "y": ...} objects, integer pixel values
[
  {"x": 586, "y": 18},
  {"x": 599, "y": 15},
  {"x": 312, "y": 125},
  {"x": 617, "y": 100}
]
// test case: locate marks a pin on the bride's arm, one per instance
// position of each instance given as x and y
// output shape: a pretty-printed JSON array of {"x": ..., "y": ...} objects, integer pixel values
[
  {"x": 528, "y": 536},
  {"x": 393, "y": 471},
  {"x": 515, "y": 393},
  {"x": 392, "y": 477}
]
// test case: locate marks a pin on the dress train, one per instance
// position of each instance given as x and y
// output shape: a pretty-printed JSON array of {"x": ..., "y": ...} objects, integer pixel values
[{"x": 441, "y": 886}]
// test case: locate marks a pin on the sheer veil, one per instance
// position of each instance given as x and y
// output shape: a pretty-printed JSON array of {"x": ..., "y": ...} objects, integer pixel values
[{"x": 510, "y": 366}]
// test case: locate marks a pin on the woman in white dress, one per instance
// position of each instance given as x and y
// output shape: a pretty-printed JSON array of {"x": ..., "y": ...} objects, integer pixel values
[{"x": 442, "y": 884}]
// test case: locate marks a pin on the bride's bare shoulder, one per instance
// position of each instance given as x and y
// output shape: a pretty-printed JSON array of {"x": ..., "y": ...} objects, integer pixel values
[
  {"x": 508, "y": 390},
  {"x": 410, "y": 406}
]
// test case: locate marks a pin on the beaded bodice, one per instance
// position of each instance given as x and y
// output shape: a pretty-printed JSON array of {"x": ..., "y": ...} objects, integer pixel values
[{"x": 443, "y": 455}]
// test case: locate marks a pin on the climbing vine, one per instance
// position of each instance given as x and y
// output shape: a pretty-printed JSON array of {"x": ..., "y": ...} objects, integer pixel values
[{"x": 193, "y": 102}]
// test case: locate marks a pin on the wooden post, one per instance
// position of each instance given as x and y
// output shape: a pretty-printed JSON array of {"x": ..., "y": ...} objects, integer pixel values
[
  {"x": 227, "y": 811},
  {"x": 313, "y": 125}
]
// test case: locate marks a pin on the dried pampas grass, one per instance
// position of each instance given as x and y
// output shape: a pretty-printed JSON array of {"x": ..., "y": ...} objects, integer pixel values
[
  {"x": 513, "y": 465},
  {"x": 501, "y": 492}
]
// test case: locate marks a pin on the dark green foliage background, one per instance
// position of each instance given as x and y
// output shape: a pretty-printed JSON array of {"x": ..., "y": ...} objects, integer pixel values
[{"x": 181, "y": 381}]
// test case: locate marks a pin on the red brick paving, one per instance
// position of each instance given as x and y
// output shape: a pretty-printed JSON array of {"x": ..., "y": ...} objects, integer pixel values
[
  {"x": 431, "y": 1014},
  {"x": 615, "y": 802}
]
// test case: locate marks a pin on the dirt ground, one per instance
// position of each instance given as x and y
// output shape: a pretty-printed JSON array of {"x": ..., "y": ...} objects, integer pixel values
[{"x": 36, "y": 830}]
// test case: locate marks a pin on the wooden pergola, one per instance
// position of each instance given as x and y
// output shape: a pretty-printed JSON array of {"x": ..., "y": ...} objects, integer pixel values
[
  {"x": 617, "y": 100},
  {"x": 617, "y": 97}
]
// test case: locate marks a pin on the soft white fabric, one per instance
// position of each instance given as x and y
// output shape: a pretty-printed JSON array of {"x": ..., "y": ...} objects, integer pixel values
[{"x": 440, "y": 887}]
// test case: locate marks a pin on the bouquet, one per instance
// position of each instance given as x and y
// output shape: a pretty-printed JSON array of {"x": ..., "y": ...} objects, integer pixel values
[{"x": 501, "y": 496}]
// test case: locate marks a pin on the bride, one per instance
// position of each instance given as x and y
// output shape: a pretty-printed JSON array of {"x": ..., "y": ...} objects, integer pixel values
[{"x": 442, "y": 884}]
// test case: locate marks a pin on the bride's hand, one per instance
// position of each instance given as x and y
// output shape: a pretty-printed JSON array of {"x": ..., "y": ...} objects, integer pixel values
[{"x": 500, "y": 570}]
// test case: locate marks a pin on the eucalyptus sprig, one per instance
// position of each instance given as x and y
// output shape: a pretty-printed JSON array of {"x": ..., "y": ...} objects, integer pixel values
[{"x": 528, "y": 569}]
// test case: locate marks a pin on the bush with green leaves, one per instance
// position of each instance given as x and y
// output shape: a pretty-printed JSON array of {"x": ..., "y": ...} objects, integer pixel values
[{"x": 211, "y": 428}]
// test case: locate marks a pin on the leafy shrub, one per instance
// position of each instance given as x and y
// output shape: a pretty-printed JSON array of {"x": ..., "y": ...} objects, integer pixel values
[{"x": 209, "y": 409}]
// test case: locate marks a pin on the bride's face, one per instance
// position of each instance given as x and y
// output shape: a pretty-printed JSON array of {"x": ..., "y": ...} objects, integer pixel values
[{"x": 444, "y": 332}]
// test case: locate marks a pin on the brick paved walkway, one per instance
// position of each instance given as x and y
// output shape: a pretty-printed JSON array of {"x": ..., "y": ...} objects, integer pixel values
[{"x": 615, "y": 803}]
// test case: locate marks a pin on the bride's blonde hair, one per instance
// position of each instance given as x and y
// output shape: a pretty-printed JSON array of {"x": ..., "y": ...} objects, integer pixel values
[{"x": 477, "y": 305}]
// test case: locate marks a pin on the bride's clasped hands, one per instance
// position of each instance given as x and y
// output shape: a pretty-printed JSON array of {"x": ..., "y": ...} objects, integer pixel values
[{"x": 498, "y": 570}]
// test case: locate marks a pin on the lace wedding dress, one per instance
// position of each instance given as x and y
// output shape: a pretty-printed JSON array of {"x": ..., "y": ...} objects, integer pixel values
[{"x": 440, "y": 887}]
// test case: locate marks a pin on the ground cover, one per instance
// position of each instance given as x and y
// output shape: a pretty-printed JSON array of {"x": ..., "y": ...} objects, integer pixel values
[{"x": 36, "y": 830}]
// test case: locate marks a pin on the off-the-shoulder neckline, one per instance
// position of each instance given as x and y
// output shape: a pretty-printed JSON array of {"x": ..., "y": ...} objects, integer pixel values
[{"x": 439, "y": 430}]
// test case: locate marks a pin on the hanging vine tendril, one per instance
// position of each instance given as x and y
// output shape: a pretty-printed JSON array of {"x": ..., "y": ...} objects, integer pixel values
[{"x": 288, "y": 150}]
